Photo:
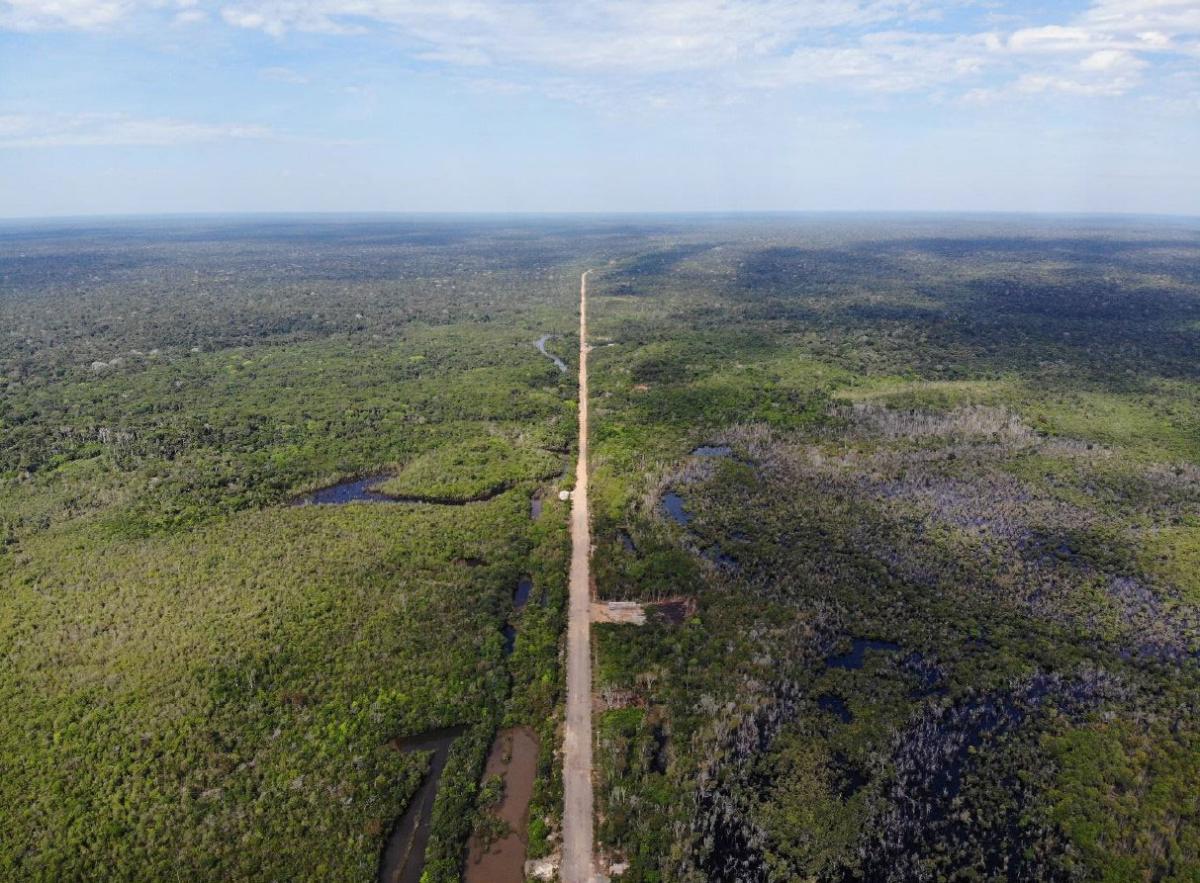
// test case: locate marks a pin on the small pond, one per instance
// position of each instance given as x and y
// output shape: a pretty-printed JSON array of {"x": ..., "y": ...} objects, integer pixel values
[
  {"x": 521, "y": 593},
  {"x": 356, "y": 490},
  {"x": 835, "y": 705},
  {"x": 673, "y": 504},
  {"x": 858, "y": 651},
  {"x": 513, "y": 757}
]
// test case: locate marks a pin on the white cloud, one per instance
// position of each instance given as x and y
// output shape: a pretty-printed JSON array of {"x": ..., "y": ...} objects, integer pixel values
[
  {"x": 30, "y": 15},
  {"x": 1105, "y": 60},
  {"x": 869, "y": 45},
  {"x": 884, "y": 62},
  {"x": 638, "y": 36},
  {"x": 717, "y": 46},
  {"x": 1036, "y": 83},
  {"x": 1166, "y": 18},
  {"x": 108, "y": 130},
  {"x": 283, "y": 75}
]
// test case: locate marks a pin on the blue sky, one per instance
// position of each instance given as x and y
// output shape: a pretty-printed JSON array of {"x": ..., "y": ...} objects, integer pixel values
[{"x": 131, "y": 106}]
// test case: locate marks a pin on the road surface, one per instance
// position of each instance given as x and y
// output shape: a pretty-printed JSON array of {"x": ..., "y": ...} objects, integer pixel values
[{"x": 577, "y": 862}]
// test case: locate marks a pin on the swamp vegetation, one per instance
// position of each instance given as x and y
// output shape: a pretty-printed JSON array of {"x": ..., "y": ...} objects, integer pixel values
[
  {"x": 945, "y": 623},
  {"x": 921, "y": 497}
]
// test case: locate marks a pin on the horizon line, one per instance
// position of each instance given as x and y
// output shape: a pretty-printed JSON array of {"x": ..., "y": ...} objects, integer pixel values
[{"x": 364, "y": 214}]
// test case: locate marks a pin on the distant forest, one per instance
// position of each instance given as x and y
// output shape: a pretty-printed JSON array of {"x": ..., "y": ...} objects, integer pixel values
[{"x": 912, "y": 505}]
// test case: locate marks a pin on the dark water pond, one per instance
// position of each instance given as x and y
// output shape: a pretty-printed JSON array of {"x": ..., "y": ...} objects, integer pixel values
[
  {"x": 835, "y": 705},
  {"x": 712, "y": 451},
  {"x": 403, "y": 858},
  {"x": 535, "y": 508},
  {"x": 719, "y": 557},
  {"x": 929, "y": 676},
  {"x": 673, "y": 504},
  {"x": 627, "y": 542},
  {"x": 521, "y": 595},
  {"x": 510, "y": 638},
  {"x": 358, "y": 490},
  {"x": 658, "y": 761},
  {"x": 540, "y": 343},
  {"x": 858, "y": 652},
  {"x": 848, "y": 778}
]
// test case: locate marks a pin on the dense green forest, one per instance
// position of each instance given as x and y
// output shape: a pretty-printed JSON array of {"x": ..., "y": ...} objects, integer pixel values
[
  {"x": 202, "y": 680},
  {"x": 928, "y": 489}
]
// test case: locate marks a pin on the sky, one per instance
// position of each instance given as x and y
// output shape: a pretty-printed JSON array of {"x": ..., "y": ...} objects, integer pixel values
[{"x": 148, "y": 106}]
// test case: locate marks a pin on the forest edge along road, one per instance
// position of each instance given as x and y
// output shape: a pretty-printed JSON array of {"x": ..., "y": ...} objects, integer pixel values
[{"x": 577, "y": 864}]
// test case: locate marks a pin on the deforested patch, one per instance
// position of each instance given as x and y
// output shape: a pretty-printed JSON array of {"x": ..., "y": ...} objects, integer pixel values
[{"x": 966, "y": 422}]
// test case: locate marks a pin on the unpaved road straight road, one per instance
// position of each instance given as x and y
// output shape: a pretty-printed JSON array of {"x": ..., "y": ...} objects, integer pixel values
[{"x": 577, "y": 863}]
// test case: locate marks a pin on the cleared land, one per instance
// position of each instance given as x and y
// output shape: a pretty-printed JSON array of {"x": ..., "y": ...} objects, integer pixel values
[{"x": 577, "y": 859}]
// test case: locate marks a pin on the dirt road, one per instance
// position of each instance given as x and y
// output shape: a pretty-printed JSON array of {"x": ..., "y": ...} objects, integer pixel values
[{"x": 577, "y": 866}]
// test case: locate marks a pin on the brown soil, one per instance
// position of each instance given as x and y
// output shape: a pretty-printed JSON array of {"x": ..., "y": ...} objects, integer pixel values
[{"x": 625, "y": 612}]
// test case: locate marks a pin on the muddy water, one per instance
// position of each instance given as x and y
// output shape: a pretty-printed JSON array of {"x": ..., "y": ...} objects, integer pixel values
[
  {"x": 540, "y": 343},
  {"x": 535, "y": 508},
  {"x": 513, "y": 756},
  {"x": 403, "y": 857},
  {"x": 357, "y": 490}
]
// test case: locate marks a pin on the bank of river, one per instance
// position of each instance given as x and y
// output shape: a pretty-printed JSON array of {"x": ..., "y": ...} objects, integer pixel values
[
  {"x": 403, "y": 858},
  {"x": 540, "y": 343},
  {"x": 366, "y": 490}
]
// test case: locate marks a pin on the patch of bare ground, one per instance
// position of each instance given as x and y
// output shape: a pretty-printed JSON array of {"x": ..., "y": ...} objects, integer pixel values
[
  {"x": 611, "y": 698},
  {"x": 674, "y": 610},
  {"x": 620, "y": 612},
  {"x": 972, "y": 421},
  {"x": 497, "y": 852}
]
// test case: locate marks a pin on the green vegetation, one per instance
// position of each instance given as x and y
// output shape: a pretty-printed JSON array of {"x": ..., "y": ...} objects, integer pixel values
[
  {"x": 936, "y": 606},
  {"x": 947, "y": 622},
  {"x": 1125, "y": 800},
  {"x": 476, "y": 469},
  {"x": 201, "y": 679}
]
